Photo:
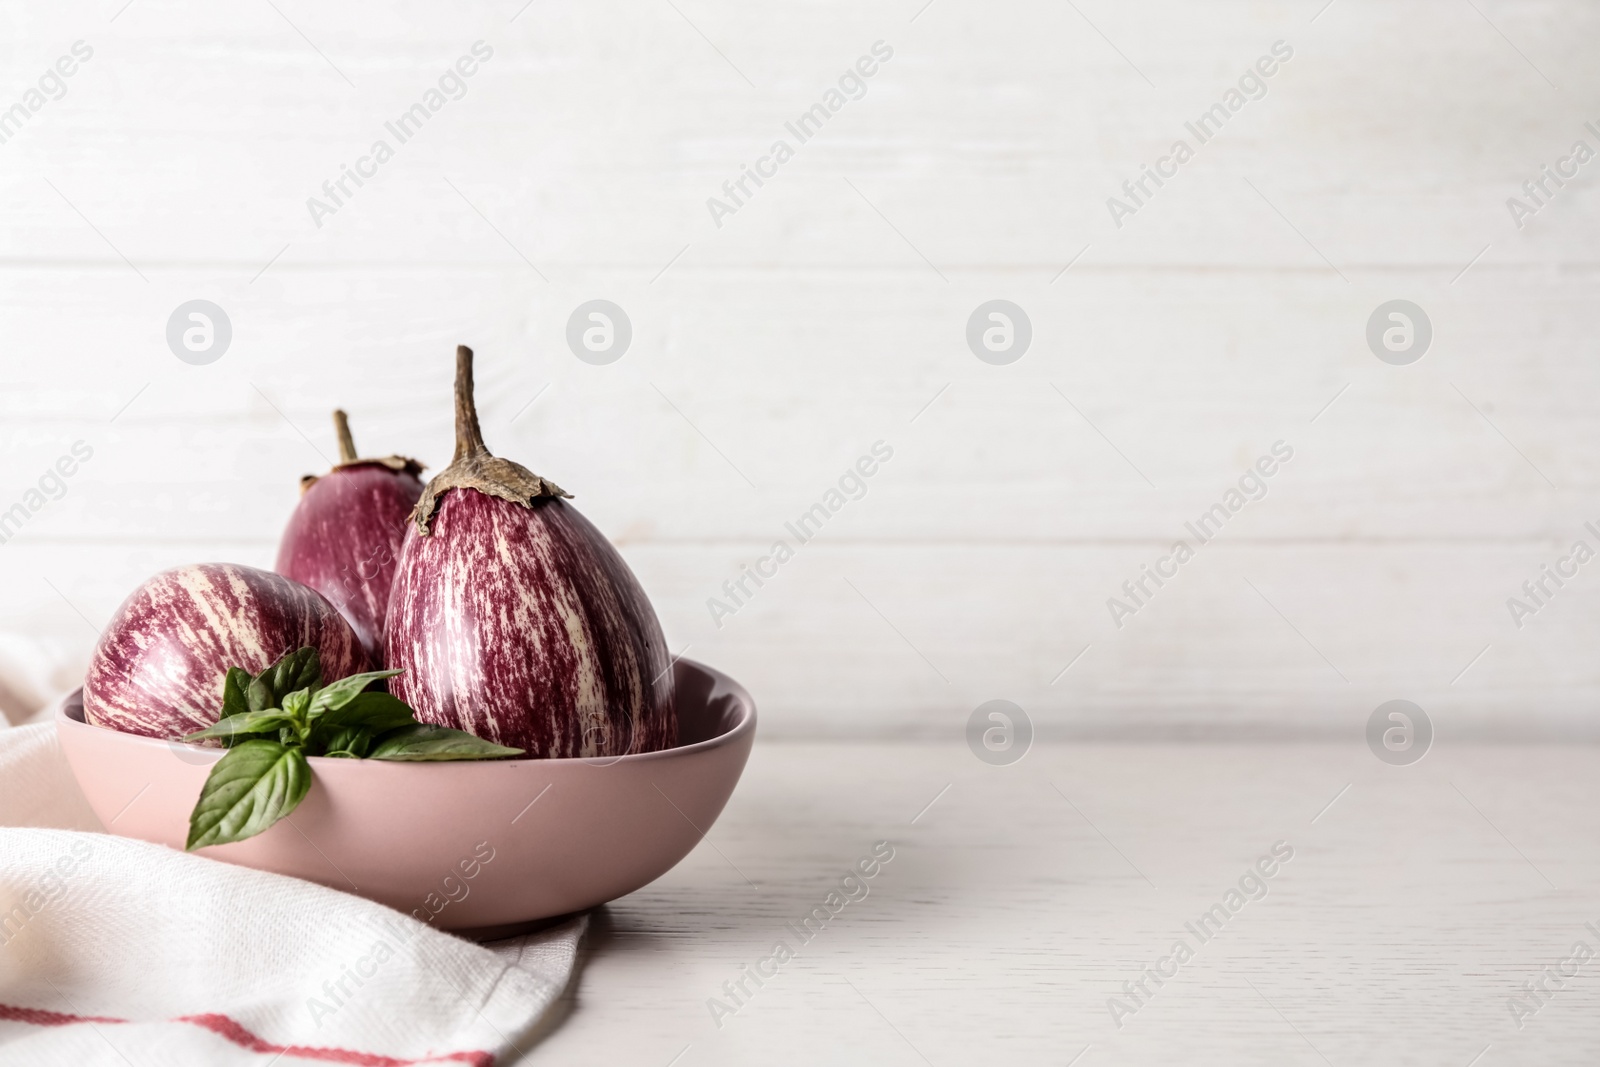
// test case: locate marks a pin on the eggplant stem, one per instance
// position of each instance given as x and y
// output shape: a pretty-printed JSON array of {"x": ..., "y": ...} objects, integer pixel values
[
  {"x": 474, "y": 466},
  {"x": 347, "y": 444},
  {"x": 469, "y": 437}
]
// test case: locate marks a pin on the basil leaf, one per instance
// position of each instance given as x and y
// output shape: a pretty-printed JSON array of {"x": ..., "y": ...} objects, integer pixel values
[
  {"x": 349, "y": 742},
  {"x": 259, "y": 695},
  {"x": 295, "y": 704},
  {"x": 234, "y": 687},
  {"x": 379, "y": 712},
  {"x": 249, "y": 722},
  {"x": 300, "y": 669},
  {"x": 253, "y": 786},
  {"x": 338, "y": 694},
  {"x": 437, "y": 743}
]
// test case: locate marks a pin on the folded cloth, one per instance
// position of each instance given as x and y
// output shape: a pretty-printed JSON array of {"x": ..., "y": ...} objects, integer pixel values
[{"x": 118, "y": 952}]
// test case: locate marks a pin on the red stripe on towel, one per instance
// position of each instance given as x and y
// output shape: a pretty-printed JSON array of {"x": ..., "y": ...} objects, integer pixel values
[
  {"x": 223, "y": 1026},
  {"x": 227, "y": 1028},
  {"x": 40, "y": 1017}
]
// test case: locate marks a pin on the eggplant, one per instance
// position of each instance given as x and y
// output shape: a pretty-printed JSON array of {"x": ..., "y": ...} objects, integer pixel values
[
  {"x": 159, "y": 666},
  {"x": 343, "y": 539},
  {"x": 514, "y": 619}
]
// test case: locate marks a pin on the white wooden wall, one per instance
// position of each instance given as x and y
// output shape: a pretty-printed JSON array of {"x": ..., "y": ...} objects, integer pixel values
[{"x": 830, "y": 310}]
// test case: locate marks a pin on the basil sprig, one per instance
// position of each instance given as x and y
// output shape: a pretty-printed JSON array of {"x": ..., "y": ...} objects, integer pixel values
[{"x": 271, "y": 722}]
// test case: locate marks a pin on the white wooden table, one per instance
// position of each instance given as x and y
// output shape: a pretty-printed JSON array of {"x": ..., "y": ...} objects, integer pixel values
[{"x": 1416, "y": 904}]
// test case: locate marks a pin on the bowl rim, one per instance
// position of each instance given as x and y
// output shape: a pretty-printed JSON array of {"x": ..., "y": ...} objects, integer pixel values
[{"x": 743, "y": 727}]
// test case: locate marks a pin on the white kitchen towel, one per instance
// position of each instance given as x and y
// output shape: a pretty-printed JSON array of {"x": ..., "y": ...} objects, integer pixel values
[{"x": 119, "y": 952}]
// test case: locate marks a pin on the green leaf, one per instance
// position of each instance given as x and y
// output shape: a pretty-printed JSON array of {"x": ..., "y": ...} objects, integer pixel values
[
  {"x": 294, "y": 707},
  {"x": 249, "y": 722},
  {"x": 300, "y": 669},
  {"x": 296, "y": 703},
  {"x": 349, "y": 742},
  {"x": 259, "y": 695},
  {"x": 338, "y": 694},
  {"x": 253, "y": 786},
  {"x": 379, "y": 712},
  {"x": 350, "y": 730},
  {"x": 234, "y": 687},
  {"x": 437, "y": 743}
]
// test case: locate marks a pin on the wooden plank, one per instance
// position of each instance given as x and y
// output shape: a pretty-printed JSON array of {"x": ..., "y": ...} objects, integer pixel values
[
  {"x": 735, "y": 378},
  {"x": 1017, "y": 905},
  {"x": 1249, "y": 640}
]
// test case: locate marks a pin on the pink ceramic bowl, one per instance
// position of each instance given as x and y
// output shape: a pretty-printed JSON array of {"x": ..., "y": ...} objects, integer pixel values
[{"x": 484, "y": 849}]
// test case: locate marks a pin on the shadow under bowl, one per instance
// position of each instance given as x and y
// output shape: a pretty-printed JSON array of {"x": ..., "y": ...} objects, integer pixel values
[{"x": 484, "y": 849}]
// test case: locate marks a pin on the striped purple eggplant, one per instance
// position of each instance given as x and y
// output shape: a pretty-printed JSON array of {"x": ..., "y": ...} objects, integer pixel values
[
  {"x": 516, "y": 620},
  {"x": 343, "y": 539},
  {"x": 159, "y": 666}
]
